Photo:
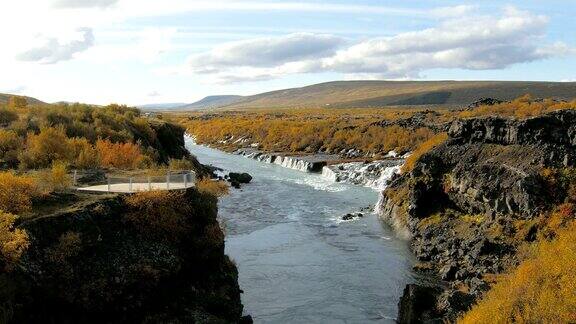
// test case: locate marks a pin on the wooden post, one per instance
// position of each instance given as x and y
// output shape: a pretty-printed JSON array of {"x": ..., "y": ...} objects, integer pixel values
[
  {"x": 149, "y": 184},
  {"x": 130, "y": 185},
  {"x": 75, "y": 177},
  {"x": 185, "y": 175},
  {"x": 108, "y": 178}
]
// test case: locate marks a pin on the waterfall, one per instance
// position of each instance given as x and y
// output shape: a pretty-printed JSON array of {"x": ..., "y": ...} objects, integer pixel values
[
  {"x": 374, "y": 174},
  {"x": 291, "y": 162}
]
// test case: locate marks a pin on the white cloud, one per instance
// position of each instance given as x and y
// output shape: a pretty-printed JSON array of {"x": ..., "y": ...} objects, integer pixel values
[
  {"x": 470, "y": 42},
  {"x": 52, "y": 51},
  {"x": 266, "y": 52},
  {"x": 84, "y": 3},
  {"x": 455, "y": 11}
]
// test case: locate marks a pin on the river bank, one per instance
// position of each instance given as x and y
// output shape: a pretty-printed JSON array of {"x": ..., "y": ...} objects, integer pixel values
[{"x": 298, "y": 260}]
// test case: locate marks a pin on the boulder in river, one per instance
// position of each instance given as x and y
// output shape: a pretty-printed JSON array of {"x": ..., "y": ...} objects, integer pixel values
[
  {"x": 239, "y": 177},
  {"x": 351, "y": 216}
]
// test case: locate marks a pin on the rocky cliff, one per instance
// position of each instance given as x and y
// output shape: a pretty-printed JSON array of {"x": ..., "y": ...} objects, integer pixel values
[
  {"x": 154, "y": 258},
  {"x": 471, "y": 202}
]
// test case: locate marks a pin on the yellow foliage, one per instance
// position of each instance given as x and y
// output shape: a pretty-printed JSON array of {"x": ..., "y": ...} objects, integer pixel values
[
  {"x": 16, "y": 192},
  {"x": 13, "y": 241},
  {"x": 9, "y": 140},
  {"x": 212, "y": 187},
  {"x": 477, "y": 219},
  {"x": 58, "y": 177},
  {"x": 309, "y": 130},
  {"x": 51, "y": 144},
  {"x": 541, "y": 290},
  {"x": 423, "y": 149},
  {"x": 85, "y": 154},
  {"x": 181, "y": 164},
  {"x": 431, "y": 220},
  {"x": 17, "y": 102},
  {"x": 521, "y": 108}
]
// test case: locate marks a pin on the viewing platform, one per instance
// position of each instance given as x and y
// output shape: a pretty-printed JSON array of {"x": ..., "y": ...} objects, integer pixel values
[{"x": 171, "y": 181}]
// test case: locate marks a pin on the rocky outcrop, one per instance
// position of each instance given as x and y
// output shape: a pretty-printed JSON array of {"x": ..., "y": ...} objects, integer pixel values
[
  {"x": 236, "y": 179},
  {"x": 426, "y": 119},
  {"x": 556, "y": 128},
  {"x": 97, "y": 263},
  {"x": 463, "y": 201},
  {"x": 485, "y": 102}
]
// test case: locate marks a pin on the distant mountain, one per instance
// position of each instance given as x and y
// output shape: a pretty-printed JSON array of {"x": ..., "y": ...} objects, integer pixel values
[
  {"x": 353, "y": 94},
  {"x": 5, "y": 97},
  {"x": 162, "y": 106},
  {"x": 212, "y": 102}
]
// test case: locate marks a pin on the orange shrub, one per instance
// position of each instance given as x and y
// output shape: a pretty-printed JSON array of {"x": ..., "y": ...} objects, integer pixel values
[
  {"x": 541, "y": 290},
  {"x": 423, "y": 149},
  {"x": 16, "y": 192},
  {"x": 119, "y": 155},
  {"x": 13, "y": 241},
  {"x": 214, "y": 188}
]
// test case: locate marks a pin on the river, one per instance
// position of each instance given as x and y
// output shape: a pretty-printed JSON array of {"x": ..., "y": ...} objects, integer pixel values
[{"x": 297, "y": 261}]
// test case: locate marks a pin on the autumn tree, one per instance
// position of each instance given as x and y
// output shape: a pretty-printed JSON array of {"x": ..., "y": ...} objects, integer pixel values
[
  {"x": 51, "y": 144},
  {"x": 13, "y": 241},
  {"x": 16, "y": 192},
  {"x": 120, "y": 155}
]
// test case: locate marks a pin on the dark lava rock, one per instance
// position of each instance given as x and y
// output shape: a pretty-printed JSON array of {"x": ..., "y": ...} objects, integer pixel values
[
  {"x": 240, "y": 177},
  {"x": 484, "y": 178},
  {"x": 352, "y": 216},
  {"x": 417, "y": 304},
  {"x": 455, "y": 302},
  {"x": 485, "y": 102},
  {"x": 120, "y": 272},
  {"x": 448, "y": 272}
]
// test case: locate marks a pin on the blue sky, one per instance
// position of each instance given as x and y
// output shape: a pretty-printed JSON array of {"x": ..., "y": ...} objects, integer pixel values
[{"x": 147, "y": 51}]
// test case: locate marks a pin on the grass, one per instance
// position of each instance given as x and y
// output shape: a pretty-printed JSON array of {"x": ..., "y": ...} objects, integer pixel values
[{"x": 542, "y": 289}]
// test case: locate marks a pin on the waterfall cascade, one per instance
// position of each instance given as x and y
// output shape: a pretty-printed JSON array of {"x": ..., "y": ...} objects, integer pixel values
[{"x": 374, "y": 174}]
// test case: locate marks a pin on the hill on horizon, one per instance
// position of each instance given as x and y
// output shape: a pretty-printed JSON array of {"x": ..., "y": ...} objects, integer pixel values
[
  {"x": 373, "y": 94},
  {"x": 5, "y": 97},
  {"x": 213, "y": 102}
]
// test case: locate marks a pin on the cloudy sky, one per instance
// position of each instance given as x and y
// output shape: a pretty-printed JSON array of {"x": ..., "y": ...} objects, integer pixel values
[{"x": 150, "y": 51}]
